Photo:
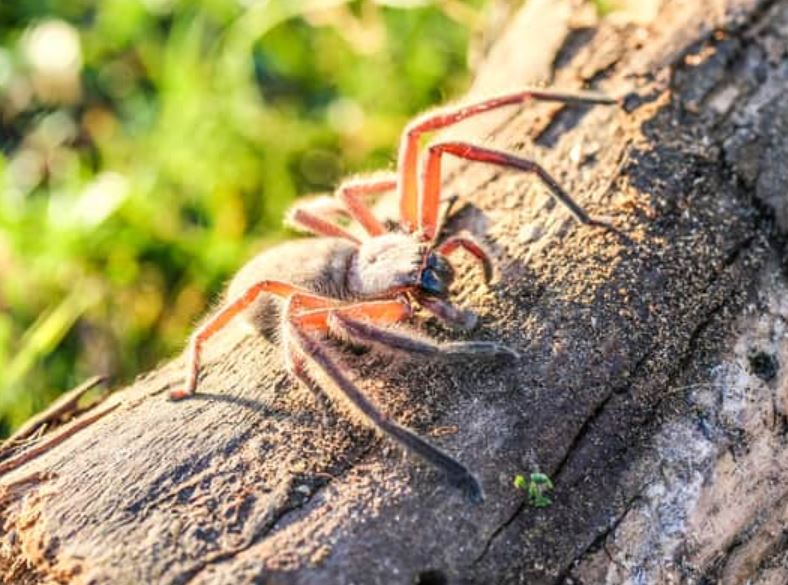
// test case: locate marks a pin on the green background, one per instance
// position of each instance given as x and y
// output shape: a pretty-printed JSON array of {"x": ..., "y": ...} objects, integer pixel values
[{"x": 150, "y": 146}]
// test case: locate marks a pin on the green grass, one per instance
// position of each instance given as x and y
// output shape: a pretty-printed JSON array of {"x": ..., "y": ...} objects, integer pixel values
[{"x": 136, "y": 182}]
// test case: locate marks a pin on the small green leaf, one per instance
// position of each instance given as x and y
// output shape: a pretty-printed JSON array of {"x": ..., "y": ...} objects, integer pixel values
[
  {"x": 536, "y": 486},
  {"x": 542, "y": 480}
]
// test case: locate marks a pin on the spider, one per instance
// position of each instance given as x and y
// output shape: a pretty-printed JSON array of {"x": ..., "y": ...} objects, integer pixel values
[{"x": 304, "y": 291}]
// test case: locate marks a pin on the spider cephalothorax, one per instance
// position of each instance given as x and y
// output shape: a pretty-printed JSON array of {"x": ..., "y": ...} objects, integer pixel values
[
  {"x": 392, "y": 263},
  {"x": 355, "y": 288}
]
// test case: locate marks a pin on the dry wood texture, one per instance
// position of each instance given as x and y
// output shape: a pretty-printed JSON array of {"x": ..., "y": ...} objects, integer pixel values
[{"x": 651, "y": 389}]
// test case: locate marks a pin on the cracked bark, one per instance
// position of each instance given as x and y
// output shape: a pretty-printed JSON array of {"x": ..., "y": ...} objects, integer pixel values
[{"x": 639, "y": 392}]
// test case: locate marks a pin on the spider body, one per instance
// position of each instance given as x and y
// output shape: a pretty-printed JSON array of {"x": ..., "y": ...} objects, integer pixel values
[
  {"x": 389, "y": 262},
  {"x": 385, "y": 266},
  {"x": 339, "y": 285},
  {"x": 318, "y": 265}
]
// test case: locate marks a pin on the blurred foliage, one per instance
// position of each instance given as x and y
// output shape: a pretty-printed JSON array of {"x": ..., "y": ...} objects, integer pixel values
[{"x": 150, "y": 146}]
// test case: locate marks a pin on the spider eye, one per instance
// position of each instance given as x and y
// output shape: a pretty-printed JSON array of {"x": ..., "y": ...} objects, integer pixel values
[
  {"x": 434, "y": 261},
  {"x": 441, "y": 266},
  {"x": 432, "y": 284}
]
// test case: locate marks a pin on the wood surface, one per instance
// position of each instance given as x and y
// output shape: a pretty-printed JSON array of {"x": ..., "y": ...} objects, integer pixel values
[{"x": 651, "y": 391}]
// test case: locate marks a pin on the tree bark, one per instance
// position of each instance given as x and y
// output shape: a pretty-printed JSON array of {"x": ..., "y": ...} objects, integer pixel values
[{"x": 651, "y": 390}]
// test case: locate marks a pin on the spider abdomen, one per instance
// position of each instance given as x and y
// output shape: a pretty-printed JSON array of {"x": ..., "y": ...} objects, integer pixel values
[{"x": 319, "y": 265}]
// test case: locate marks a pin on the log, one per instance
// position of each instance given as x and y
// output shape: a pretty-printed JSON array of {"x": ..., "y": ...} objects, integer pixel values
[{"x": 651, "y": 390}]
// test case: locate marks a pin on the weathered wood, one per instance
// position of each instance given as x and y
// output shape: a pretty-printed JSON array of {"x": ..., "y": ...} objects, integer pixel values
[{"x": 652, "y": 388}]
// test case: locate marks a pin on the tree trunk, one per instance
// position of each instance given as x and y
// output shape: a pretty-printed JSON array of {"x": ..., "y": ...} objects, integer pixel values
[{"x": 651, "y": 390}]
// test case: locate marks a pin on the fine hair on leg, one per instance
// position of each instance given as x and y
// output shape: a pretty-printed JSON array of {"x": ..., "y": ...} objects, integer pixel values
[
  {"x": 218, "y": 321},
  {"x": 301, "y": 219},
  {"x": 467, "y": 242},
  {"x": 449, "y": 313},
  {"x": 371, "y": 333},
  {"x": 415, "y": 213},
  {"x": 456, "y": 473},
  {"x": 317, "y": 215},
  {"x": 351, "y": 193},
  {"x": 464, "y": 150}
]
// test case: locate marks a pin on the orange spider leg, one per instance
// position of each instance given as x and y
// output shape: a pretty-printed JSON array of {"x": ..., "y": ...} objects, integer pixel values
[
  {"x": 218, "y": 321},
  {"x": 361, "y": 321},
  {"x": 302, "y": 347},
  {"x": 351, "y": 192},
  {"x": 432, "y": 176},
  {"x": 319, "y": 319},
  {"x": 310, "y": 215},
  {"x": 302, "y": 219},
  {"x": 408, "y": 161},
  {"x": 467, "y": 243},
  {"x": 302, "y": 300}
]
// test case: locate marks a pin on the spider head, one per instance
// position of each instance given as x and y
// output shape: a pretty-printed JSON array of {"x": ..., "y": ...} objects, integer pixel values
[
  {"x": 398, "y": 262},
  {"x": 386, "y": 264},
  {"x": 436, "y": 276}
]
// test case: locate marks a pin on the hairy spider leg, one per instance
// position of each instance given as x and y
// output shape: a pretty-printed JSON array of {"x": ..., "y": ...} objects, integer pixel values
[
  {"x": 351, "y": 192},
  {"x": 313, "y": 316},
  {"x": 432, "y": 180},
  {"x": 220, "y": 319},
  {"x": 449, "y": 313},
  {"x": 355, "y": 321},
  {"x": 385, "y": 311},
  {"x": 361, "y": 321},
  {"x": 314, "y": 313},
  {"x": 408, "y": 158},
  {"x": 313, "y": 350},
  {"x": 466, "y": 242},
  {"x": 369, "y": 332},
  {"x": 311, "y": 216},
  {"x": 301, "y": 219}
]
